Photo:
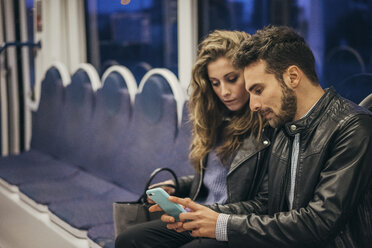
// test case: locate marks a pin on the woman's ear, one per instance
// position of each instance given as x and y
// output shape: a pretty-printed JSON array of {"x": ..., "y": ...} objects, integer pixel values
[{"x": 293, "y": 75}]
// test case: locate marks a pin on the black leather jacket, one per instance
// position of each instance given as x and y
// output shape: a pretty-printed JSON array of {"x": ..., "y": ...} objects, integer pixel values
[
  {"x": 333, "y": 192},
  {"x": 246, "y": 174}
]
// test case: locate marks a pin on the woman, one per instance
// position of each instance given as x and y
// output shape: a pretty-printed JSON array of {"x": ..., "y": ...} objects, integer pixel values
[{"x": 227, "y": 143}]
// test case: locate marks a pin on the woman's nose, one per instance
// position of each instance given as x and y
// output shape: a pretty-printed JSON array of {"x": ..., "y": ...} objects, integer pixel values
[{"x": 225, "y": 91}]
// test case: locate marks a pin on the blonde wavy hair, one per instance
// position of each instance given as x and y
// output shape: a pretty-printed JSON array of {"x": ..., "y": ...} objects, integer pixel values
[{"x": 207, "y": 112}]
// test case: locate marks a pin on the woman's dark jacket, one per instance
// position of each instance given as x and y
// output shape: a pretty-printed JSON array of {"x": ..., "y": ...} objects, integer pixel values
[
  {"x": 245, "y": 176},
  {"x": 332, "y": 204}
]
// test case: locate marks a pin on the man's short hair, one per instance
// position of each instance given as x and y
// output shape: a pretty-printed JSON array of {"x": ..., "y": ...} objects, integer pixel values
[{"x": 280, "y": 47}]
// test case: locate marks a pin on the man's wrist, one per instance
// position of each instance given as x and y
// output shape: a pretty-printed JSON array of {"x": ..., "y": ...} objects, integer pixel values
[{"x": 221, "y": 227}]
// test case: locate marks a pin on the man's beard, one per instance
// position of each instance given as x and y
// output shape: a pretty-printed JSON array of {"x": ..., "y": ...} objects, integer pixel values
[{"x": 288, "y": 108}]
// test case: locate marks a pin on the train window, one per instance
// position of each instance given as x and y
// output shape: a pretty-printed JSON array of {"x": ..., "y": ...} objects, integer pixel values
[
  {"x": 339, "y": 33},
  {"x": 231, "y": 15},
  {"x": 138, "y": 34}
]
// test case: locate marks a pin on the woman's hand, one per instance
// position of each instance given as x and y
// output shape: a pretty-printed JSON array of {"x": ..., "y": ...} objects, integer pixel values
[{"x": 169, "y": 190}]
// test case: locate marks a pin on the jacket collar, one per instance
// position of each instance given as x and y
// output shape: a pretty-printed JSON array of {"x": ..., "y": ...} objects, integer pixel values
[
  {"x": 299, "y": 126},
  {"x": 249, "y": 148}
]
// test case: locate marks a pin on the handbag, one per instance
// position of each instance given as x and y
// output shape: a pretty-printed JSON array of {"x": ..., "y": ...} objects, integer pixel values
[{"x": 130, "y": 213}]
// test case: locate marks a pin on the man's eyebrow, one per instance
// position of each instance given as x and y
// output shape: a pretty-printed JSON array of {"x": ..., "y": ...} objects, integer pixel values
[{"x": 253, "y": 86}]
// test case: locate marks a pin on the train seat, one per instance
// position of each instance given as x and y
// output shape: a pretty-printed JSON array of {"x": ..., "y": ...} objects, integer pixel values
[
  {"x": 152, "y": 133},
  {"x": 77, "y": 114},
  {"x": 356, "y": 87},
  {"x": 47, "y": 120},
  {"x": 86, "y": 213},
  {"x": 367, "y": 102},
  {"x": 38, "y": 163},
  {"x": 75, "y": 117},
  {"x": 16, "y": 174},
  {"x": 102, "y": 235},
  {"x": 108, "y": 130},
  {"x": 105, "y": 143},
  {"x": 179, "y": 155}
]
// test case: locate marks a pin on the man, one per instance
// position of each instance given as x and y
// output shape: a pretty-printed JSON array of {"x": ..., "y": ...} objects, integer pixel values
[{"x": 320, "y": 187}]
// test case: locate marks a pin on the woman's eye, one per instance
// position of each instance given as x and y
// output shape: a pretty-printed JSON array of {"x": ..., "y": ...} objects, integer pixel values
[
  {"x": 215, "y": 84},
  {"x": 232, "y": 79}
]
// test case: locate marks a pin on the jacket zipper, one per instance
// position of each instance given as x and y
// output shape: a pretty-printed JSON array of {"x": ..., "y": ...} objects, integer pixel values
[{"x": 284, "y": 186}]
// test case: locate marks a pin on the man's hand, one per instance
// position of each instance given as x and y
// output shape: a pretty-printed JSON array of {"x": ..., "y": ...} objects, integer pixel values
[
  {"x": 168, "y": 219},
  {"x": 201, "y": 221},
  {"x": 177, "y": 226}
]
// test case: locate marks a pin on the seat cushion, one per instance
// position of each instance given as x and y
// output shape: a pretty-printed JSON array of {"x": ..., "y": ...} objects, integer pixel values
[
  {"x": 78, "y": 186},
  {"x": 30, "y": 167},
  {"x": 88, "y": 212},
  {"x": 103, "y": 235}
]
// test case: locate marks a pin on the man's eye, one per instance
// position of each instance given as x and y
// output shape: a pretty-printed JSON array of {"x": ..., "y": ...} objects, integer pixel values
[{"x": 258, "y": 91}]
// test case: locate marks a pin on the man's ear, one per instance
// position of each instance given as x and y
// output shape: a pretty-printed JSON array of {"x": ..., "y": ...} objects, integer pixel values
[{"x": 293, "y": 76}]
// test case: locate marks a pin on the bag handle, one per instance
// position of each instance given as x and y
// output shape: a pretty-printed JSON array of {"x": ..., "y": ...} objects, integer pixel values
[{"x": 152, "y": 176}]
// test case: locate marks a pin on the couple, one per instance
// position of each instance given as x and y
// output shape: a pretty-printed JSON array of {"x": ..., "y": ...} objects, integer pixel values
[{"x": 305, "y": 183}]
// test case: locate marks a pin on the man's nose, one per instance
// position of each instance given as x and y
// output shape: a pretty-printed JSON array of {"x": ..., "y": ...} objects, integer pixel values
[{"x": 254, "y": 104}]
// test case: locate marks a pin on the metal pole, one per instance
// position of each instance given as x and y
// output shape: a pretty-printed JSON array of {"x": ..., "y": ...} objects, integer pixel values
[{"x": 19, "y": 44}]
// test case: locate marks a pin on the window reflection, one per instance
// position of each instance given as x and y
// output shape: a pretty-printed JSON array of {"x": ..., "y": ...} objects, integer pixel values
[{"x": 140, "y": 35}]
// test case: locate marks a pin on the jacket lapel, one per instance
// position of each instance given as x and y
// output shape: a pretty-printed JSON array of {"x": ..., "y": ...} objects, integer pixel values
[{"x": 249, "y": 148}]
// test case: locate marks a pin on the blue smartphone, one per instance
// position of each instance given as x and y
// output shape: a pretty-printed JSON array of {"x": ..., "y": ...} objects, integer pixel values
[{"x": 159, "y": 196}]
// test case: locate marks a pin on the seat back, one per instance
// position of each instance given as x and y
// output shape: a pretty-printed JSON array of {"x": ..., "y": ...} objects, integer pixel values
[
  {"x": 341, "y": 63},
  {"x": 367, "y": 102},
  {"x": 151, "y": 136},
  {"x": 139, "y": 70},
  {"x": 356, "y": 87},
  {"x": 179, "y": 156},
  {"x": 108, "y": 130},
  {"x": 173, "y": 84},
  {"x": 47, "y": 120},
  {"x": 77, "y": 114}
]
